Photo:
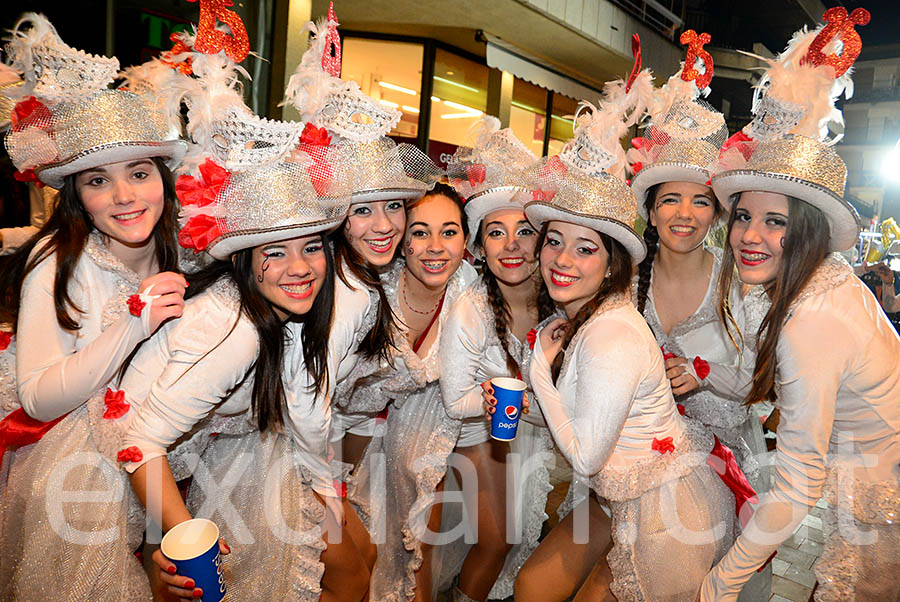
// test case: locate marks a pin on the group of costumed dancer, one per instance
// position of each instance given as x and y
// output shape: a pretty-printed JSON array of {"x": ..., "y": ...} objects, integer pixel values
[{"x": 296, "y": 338}]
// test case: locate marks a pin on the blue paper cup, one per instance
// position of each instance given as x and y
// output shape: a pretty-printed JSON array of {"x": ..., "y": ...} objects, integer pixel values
[
  {"x": 505, "y": 419},
  {"x": 193, "y": 546}
]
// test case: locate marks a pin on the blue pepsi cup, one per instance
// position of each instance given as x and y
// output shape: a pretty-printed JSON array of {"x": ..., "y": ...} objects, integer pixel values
[
  {"x": 505, "y": 420},
  {"x": 193, "y": 546}
]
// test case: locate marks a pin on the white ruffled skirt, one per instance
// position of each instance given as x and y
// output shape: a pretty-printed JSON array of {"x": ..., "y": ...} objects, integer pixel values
[{"x": 258, "y": 493}]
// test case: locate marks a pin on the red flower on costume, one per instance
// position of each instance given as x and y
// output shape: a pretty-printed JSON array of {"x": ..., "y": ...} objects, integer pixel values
[
  {"x": 116, "y": 406},
  {"x": 201, "y": 229},
  {"x": 680, "y": 408},
  {"x": 5, "y": 340},
  {"x": 663, "y": 446},
  {"x": 701, "y": 367},
  {"x": 135, "y": 305},
  {"x": 341, "y": 488},
  {"x": 130, "y": 454},
  {"x": 531, "y": 337},
  {"x": 381, "y": 416},
  {"x": 314, "y": 142},
  {"x": 666, "y": 354}
]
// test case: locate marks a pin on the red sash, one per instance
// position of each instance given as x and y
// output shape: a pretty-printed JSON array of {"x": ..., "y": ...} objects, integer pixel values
[
  {"x": 721, "y": 459},
  {"x": 19, "y": 429}
]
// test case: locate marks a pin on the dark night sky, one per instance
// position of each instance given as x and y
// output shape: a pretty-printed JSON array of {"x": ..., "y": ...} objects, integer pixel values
[{"x": 884, "y": 28}]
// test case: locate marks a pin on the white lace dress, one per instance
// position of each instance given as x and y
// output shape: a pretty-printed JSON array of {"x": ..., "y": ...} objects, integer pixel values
[
  {"x": 723, "y": 412},
  {"x": 394, "y": 485},
  {"x": 58, "y": 541},
  {"x": 471, "y": 354},
  {"x": 258, "y": 487},
  {"x": 612, "y": 414},
  {"x": 838, "y": 390}
]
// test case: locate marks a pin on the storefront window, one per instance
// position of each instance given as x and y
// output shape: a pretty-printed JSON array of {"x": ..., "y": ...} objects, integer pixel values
[
  {"x": 390, "y": 72},
  {"x": 527, "y": 116},
  {"x": 561, "y": 122},
  {"x": 458, "y": 101}
]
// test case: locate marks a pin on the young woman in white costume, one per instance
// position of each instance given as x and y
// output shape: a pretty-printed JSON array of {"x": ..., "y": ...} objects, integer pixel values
[
  {"x": 675, "y": 288},
  {"x": 599, "y": 378},
  {"x": 486, "y": 336},
  {"x": 96, "y": 281},
  {"x": 418, "y": 435},
  {"x": 827, "y": 352},
  {"x": 382, "y": 177}
]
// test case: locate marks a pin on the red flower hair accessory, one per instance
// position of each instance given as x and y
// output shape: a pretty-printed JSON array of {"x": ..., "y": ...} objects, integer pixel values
[
  {"x": 663, "y": 446},
  {"x": 198, "y": 195},
  {"x": 130, "y": 454},
  {"x": 116, "y": 406}
]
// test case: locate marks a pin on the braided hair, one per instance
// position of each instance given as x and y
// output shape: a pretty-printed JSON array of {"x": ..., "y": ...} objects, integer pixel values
[{"x": 651, "y": 238}]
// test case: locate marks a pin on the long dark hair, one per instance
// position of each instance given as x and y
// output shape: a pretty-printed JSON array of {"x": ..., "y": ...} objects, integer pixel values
[
  {"x": 68, "y": 228},
  {"x": 268, "y": 400},
  {"x": 379, "y": 341},
  {"x": 618, "y": 281},
  {"x": 501, "y": 310},
  {"x": 651, "y": 238},
  {"x": 805, "y": 247}
]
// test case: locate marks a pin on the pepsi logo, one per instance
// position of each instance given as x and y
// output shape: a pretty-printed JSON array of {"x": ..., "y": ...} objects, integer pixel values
[{"x": 511, "y": 412}]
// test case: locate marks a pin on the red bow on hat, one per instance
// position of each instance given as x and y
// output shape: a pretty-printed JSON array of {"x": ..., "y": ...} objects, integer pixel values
[
  {"x": 200, "y": 230},
  {"x": 314, "y": 142}
]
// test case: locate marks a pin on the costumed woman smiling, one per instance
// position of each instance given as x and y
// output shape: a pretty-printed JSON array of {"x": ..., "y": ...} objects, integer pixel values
[
  {"x": 86, "y": 290},
  {"x": 827, "y": 354}
]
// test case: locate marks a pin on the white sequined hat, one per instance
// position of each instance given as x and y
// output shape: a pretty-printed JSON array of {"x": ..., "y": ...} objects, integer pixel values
[
  {"x": 490, "y": 176},
  {"x": 377, "y": 168},
  {"x": 248, "y": 183},
  {"x": 67, "y": 119},
  {"x": 682, "y": 140},
  {"x": 585, "y": 183},
  {"x": 786, "y": 148}
]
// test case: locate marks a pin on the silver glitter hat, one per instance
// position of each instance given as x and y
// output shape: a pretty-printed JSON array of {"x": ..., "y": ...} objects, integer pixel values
[
  {"x": 786, "y": 149},
  {"x": 67, "y": 120},
  {"x": 682, "y": 141},
  {"x": 585, "y": 183},
  {"x": 249, "y": 184},
  {"x": 490, "y": 176},
  {"x": 377, "y": 168}
]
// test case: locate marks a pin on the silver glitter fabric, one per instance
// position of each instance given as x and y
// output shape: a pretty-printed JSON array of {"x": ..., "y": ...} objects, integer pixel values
[
  {"x": 354, "y": 115},
  {"x": 584, "y": 154},
  {"x": 382, "y": 165},
  {"x": 801, "y": 158},
  {"x": 773, "y": 118},
  {"x": 277, "y": 542}
]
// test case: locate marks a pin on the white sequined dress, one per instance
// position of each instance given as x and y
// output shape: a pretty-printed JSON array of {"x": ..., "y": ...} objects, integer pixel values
[
  {"x": 838, "y": 390},
  {"x": 58, "y": 541},
  {"x": 612, "y": 414}
]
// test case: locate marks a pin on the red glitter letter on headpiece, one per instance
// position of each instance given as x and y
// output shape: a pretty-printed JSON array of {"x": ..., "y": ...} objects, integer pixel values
[
  {"x": 636, "y": 51},
  {"x": 331, "y": 56},
  {"x": 839, "y": 26},
  {"x": 211, "y": 40},
  {"x": 695, "y": 50}
]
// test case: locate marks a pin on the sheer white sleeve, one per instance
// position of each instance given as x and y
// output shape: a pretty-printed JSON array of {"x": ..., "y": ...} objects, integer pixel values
[
  {"x": 207, "y": 360},
  {"x": 54, "y": 376},
  {"x": 607, "y": 362},
  {"x": 463, "y": 346},
  {"x": 807, "y": 384}
]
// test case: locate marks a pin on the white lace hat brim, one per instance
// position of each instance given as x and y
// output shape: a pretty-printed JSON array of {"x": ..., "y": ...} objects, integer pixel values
[
  {"x": 225, "y": 245},
  {"x": 54, "y": 174},
  {"x": 480, "y": 204},
  {"x": 660, "y": 173}
]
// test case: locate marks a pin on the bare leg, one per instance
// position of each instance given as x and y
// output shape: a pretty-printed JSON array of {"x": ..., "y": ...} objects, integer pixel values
[
  {"x": 346, "y": 577},
  {"x": 353, "y": 447},
  {"x": 559, "y": 566},
  {"x": 596, "y": 588},
  {"x": 425, "y": 576},
  {"x": 485, "y": 559}
]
